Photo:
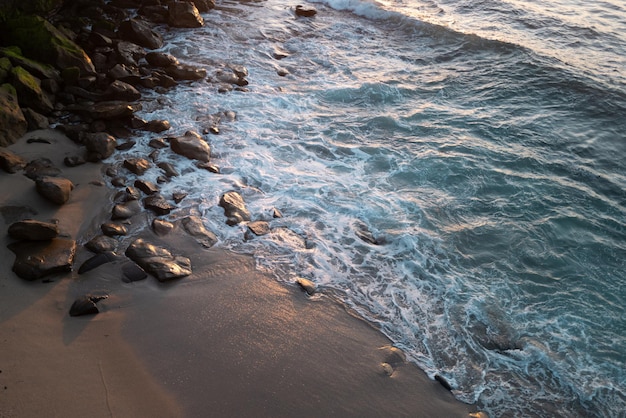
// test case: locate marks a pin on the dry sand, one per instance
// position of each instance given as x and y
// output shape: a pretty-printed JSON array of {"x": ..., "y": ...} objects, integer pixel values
[{"x": 224, "y": 342}]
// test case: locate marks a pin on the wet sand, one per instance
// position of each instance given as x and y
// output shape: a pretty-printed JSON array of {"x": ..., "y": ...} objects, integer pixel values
[{"x": 226, "y": 341}]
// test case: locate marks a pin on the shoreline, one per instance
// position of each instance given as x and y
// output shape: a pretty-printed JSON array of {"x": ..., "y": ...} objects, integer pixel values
[{"x": 226, "y": 338}]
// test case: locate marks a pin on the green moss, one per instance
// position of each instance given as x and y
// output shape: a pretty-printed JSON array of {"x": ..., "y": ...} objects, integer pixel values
[
  {"x": 9, "y": 89},
  {"x": 26, "y": 79}
]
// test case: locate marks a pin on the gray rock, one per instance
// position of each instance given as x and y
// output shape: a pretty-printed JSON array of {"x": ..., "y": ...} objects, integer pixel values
[
  {"x": 9, "y": 161},
  {"x": 191, "y": 145},
  {"x": 37, "y": 259},
  {"x": 195, "y": 227},
  {"x": 55, "y": 189},
  {"x": 158, "y": 261},
  {"x": 33, "y": 230},
  {"x": 146, "y": 186},
  {"x": 184, "y": 15},
  {"x": 234, "y": 208},
  {"x": 138, "y": 32}
]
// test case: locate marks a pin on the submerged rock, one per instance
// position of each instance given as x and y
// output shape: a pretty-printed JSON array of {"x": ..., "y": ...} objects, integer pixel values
[
  {"x": 36, "y": 259},
  {"x": 158, "y": 261},
  {"x": 191, "y": 145},
  {"x": 234, "y": 208}
]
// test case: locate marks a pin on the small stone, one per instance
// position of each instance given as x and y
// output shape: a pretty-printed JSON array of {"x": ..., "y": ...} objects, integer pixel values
[
  {"x": 305, "y": 11},
  {"x": 125, "y": 210},
  {"x": 157, "y": 204},
  {"x": 161, "y": 227},
  {"x": 259, "y": 228},
  {"x": 157, "y": 126},
  {"x": 101, "y": 244},
  {"x": 158, "y": 143},
  {"x": 113, "y": 229},
  {"x": 194, "y": 227},
  {"x": 234, "y": 208},
  {"x": 387, "y": 369},
  {"x": 306, "y": 285},
  {"x": 146, "y": 186},
  {"x": 179, "y": 196},
  {"x": 168, "y": 169},
  {"x": 36, "y": 259},
  {"x": 85, "y": 305}
]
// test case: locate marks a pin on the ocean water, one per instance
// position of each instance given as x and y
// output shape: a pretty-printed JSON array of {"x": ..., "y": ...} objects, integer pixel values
[{"x": 454, "y": 171}]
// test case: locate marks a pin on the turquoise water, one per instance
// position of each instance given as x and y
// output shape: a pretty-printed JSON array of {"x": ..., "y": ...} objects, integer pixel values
[{"x": 481, "y": 145}]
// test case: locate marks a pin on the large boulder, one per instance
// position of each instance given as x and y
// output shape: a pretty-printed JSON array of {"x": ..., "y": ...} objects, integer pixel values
[
  {"x": 38, "y": 69},
  {"x": 55, "y": 189},
  {"x": 11, "y": 162},
  {"x": 234, "y": 208},
  {"x": 158, "y": 261},
  {"x": 29, "y": 90},
  {"x": 37, "y": 259},
  {"x": 38, "y": 38},
  {"x": 138, "y": 32},
  {"x": 13, "y": 124},
  {"x": 184, "y": 15},
  {"x": 191, "y": 145}
]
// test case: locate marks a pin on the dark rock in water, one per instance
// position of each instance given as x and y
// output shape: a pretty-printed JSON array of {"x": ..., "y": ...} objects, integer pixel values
[
  {"x": 161, "y": 59},
  {"x": 184, "y": 15},
  {"x": 137, "y": 165},
  {"x": 276, "y": 213},
  {"x": 234, "y": 208},
  {"x": 168, "y": 169},
  {"x": 307, "y": 285},
  {"x": 99, "y": 145},
  {"x": 121, "y": 91},
  {"x": 12, "y": 122},
  {"x": 158, "y": 261},
  {"x": 204, "y": 6},
  {"x": 9, "y": 161},
  {"x": 305, "y": 11},
  {"x": 37, "y": 259},
  {"x": 191, "y": 145},
  {"x": 185, "y": 72},
  {"x": 86, "y": 305},
  {"x": 55, "y": 189},
  {"x": 158, "y": 143},
  {"x": 257, "y": 228},
  {"x": 41, "y": 167},
  {"x": 365, "y": 234},
  {"x": 30, "y": 229},
  {"x": 146, "y": 186},
  {"x": 442, "y": 380},
  {"x": 107, "y": 110},
  {"x": 194, "y": 227},
  {"x": 118, "y": 182},
  {"x": 96, "y": 261},
  {"x": 131, "y": 272},
  {"x": 157, "y": 126},
  {"x": 101, "y": 244},
  {"x": 136, "y": 31},
  {"x": 125, "y": 210},
  {"x": 130, "y": 53},
  {"x": 179, "y": 196},
  {"x": 121, "y": 72},
  {"x": 112, "y": 229},
  {"x": 157, "y": 204},
  {"x": 126, "y": 145},
  {"x": 74, "y": 161},
  {"x": 209, "y": 167},
  {"x": 161, "y": 227},
  {"x": 131, "y": 193}
]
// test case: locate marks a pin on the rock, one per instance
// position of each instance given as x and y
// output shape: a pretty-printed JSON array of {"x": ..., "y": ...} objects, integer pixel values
[
  {"x": 36, "y": 259},
  {"x": 191, "y": 145},
  {"x": 13, "y": 124},
  {"x": 443, "y": 381},
  {"x": 129, "y": 53},
  {"x": 38, "y": 69},
  {"x": 86, "y": 305},
  {"x": 33, "y": 230},
  {"x": 365, "y": 234},
  {"x": 55, "y": 189},
  {"x": 41, "y": 167},
  {"x": 209, "y": 167},
  {"x": 74, "y": 161},
  {"x": 161, "y": 59},
  {"x": 125, "y": 210},
  {"x": 179, "y": 196},
  {"x": 306, "y": 285},
  {"x": 157, "y": 126},
  {"x": 113, "y": 229},
  {"x": 154, "y": 13},
  {"x": 126, "y": 145},
  {"x": 158, "y": 261},
  {"x": 11, "y": 162},
  {"x": 131, "y": 272},
  {"x": 161, "y": 227},
  {"x": 305, "y": 11},
  {"x": 204, "y": 6},
  {"x": 29, "y": 90},
  {"x": 107, "y": 110},
  {"x": 146, "y": 186},
  {"x": 194, "y": 227},
  {"x": 276, "y": 213},
  {"x": 121, "y": 91},
  {"x": 96, "y": 261},
  {"x": 138, "y": 32},
  {"x": 99, "y": 146},
  {"x": 234, "y": 208},
  {"x": 168, "y": 169},
  {"x": 257, "y": 228},
  {"x": 101, "y": 244},
  {"x": 157, "y": 143},
  {"x": 186, "y": 72},
  {"x": 137, "y": 165},
  {"x": 184, "y": 15},
  {"x": 35, "y": 120},
  {"x": 157, "y": 204},
  {"x": 121, "y": 72}
]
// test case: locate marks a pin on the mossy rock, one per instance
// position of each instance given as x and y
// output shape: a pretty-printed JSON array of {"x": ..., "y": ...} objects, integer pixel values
[
  {"x": 14, "y": 54},
  {"x": 12, "y": 122},
  {"x": 29, "y": 90},
  {"x": 5, "y": 67},
  {"x": 40, "y": 40}
]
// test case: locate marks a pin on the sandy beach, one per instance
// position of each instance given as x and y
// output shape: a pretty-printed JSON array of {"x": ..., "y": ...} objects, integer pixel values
[{"x": 226, "y": 341}]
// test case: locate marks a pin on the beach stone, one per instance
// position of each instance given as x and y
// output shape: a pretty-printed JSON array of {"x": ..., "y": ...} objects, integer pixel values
[
  {"x": 29, "y": 92},
  {"x": 186, "y": 72},
  {"x": 85, "y": 305},
  {"x": 179, "y": 196},
  {"x": 35, "y": 120},
  {"x": 138, "y": 32},
  {"x": 10, "y": 161},
  {"x": 157, "y": 143},
  {"x": 74, "y": 161},
  {"x": 37, "y": 259},
  {"x": 234, "y": 208},
  {"x": 393, "y": 355},
  {"x": 130, "y": 53},
  {"x": 146, "y": 186},
  {"x": 131, "y": 272},
  {"x": 195, "y": 227},
  {"x": 305, "y": 11},
  {"x": 208, "y": 166},
  {"x": 184, "y": 15},
  {"x": 191, "y": 145},
  {"x": 41, "y": 167},
  {"x": 157, "y": 204},
  {"x": 112, "y": 229},
  {"x": 276, "y": 213},
  {"x": 158, "y": 261},
  {"x": 125, "y": 210},
  {"x": 168, "y": 169},
  {"x": 13, "y": 124},
  {"x": 137, "y": 165},
  {"x": 307, "y": 285},
  {"x": 121, "y": 91},
  {"x": 101, "y": 244},
  {"x": 33, "y": 230},
  {"x": 99, "y": 145},
  {"x": 157, "y": 126},
  {"x": 55, "y": 189},
  {"x": 96, "y": 261},
  {"x": 161, "y": 227},
  {"x": 161, "y": 59},
  {"x": 256, "y": 228}
]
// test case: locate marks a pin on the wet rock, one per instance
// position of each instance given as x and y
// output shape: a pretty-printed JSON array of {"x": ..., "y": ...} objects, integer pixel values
[
  {"x": 9, "y": 161},
  {"x": 146, "y": 186},
  {"x": 33, "y": 230},
  {"x": 121, "y": 91},
  {"x": 96, "y": 261},
  {"x": 112, "y": 229},
  {"x": 107, "y": 110},
  {"x": 179, "y": 196},
  {"x": 158, "y": 261},
  {"x": 121, "y": 72},
  {"x": 101, "y": 244},
  {"x": 194, "y": 227},
  {"x": 125, "y": 210},
  {"x": 126, "y": 145},
  {"x": 137, "y": 165},
  {"x": 154, "y": 13},
  {"x": 85, "y": 305},
  {"x": 157, "y": 204},
  {"x": 168, "y": 169},
  {"x": 129, "y": 53},
  {"x": 99, "y": 146},
  {"x": 186, "y": 72},
  {"x": 157, "y": 126},
  {"x": 55, "y": 189},
  {"x": 118, "y": 182},
  {"x": 361, "y": 231},
  {"x": 37, "y": 259},
  {"x": 257, "y": 228},
  {"x": 443, "y": 381},
  {"x": 276, "y": 213},
  {"x": 306, "y": 285},
  {"x": 161, "y": 59},
  {"x": 191, "y": 145},
  {"x": 305, "y": 11},
  {"x": 131, "y": 272},
  {"x": 13, "y": 124},
  {"x": 161, "y": 227},
  {"x": 138, "y": 32},
  {"x": 204, "y": 6},
  {"x": 234, "y": 208},
  {"x": 41, "y": 167},
  {"x": 184, "y": 15},
  {"x": 158, "y": 143}
]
